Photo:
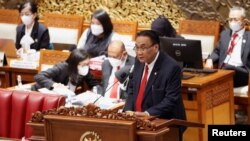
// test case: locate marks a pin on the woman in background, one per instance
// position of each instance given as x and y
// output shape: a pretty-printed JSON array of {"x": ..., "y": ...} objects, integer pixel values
[
  {"x": 96, "y": 39},
  {"x": 31, "y": 34},
  {"x": 68, "y": 74},
  {"x": 164, "y": 28}
]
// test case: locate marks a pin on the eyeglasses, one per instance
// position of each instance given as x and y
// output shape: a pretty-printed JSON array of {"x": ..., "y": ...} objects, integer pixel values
[
  {"x": 234, "y": 19},
  {"x": 142, "y": 49}
]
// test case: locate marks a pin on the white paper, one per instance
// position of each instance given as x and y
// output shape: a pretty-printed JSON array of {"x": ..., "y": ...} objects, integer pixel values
[{"x": 90, "y": 97}]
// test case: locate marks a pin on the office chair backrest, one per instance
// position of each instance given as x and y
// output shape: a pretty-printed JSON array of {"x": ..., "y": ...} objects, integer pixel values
[
  {"x": 127, "y": 29},
  {"x": 48, "y": 58},
  {"x": 64, "y": 28},
  {"x": 9, "y": 19},
  {"x": 206, "y": 31}
]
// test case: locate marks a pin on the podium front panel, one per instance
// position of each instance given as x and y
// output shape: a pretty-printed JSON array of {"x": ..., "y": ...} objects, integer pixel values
[{"x": 60, "y": 128}]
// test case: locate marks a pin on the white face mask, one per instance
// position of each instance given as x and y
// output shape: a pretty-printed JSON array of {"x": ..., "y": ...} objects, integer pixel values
[
  {"x": 96, "y": 29},
  {"x": 83, "y": 70},
  {"x": 27, "y": 20},
  {"x": 114, "y": 62},
  {"x": 235, "y": 26}
]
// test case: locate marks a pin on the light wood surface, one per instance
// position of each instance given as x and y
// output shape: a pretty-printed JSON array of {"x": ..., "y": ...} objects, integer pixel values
[
  {"x": 125, "y": 27},
  {"x": 209, "y": 100},
  {"x": 51, "y": 57},
  {"x": 244, "y": 102},
  {"x": 9, "y": 16}
]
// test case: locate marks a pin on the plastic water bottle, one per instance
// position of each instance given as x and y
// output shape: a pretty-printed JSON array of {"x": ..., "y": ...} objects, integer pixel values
[{"x": 19, "y": 81}]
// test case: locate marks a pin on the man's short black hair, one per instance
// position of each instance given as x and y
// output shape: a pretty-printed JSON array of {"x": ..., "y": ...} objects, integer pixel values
[{"x": 151, "y": 34}]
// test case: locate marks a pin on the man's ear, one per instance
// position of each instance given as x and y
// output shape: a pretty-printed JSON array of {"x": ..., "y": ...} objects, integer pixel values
[
  {"x": 245, "y": 22},
  {"x": 124, "y": 53},
  {"x": 157, "y": 46}
]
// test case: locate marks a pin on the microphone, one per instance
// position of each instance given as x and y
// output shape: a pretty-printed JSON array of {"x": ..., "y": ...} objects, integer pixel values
[
  {"x": 107, "y": 89},
  {"x": 123, "y": 74}
]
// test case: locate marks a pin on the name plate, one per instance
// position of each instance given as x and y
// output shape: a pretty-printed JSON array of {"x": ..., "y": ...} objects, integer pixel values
[{"x": 23, "y": 64}]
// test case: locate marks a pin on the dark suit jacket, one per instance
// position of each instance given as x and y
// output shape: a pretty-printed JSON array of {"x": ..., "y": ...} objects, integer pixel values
[
  {"x": 59, "y": 74},
  {"x": 220, "y": 52},
  {"x": 162, "y": 96},
  {"x": 106, "y": 72},
  {"x": 40, "y": 35}
]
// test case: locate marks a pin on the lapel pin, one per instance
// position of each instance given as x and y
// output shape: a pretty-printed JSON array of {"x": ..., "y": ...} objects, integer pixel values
[
  {"x": 244, "y": 41},
  {"x": 155, "y": 73},
  {"x": 36, "y": 40}
]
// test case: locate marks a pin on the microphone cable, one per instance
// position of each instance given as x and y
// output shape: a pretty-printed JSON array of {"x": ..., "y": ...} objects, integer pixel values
[{"x": 106, "y": 91}]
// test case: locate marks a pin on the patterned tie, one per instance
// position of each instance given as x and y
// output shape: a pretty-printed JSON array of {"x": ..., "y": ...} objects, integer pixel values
[
  {"x": 231, "y": 47},
  {"x": 141, "y": 90},
  {"x": 113, "y": 93},
  {"x": 232, "y": 44}
]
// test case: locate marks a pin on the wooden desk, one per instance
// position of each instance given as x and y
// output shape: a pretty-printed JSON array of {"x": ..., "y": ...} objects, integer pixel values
[
  {"x": 5, "y": 77},
  {"x": 208, "y": 100},
  {"x": 8, "y": 75},
  {"x": 26, "y": 74}
]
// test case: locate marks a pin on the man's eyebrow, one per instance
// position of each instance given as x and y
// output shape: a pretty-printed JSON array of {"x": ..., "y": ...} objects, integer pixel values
[{"x": 142, "y": 44}]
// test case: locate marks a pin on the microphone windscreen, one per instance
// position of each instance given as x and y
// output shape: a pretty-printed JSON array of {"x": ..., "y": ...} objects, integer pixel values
[{"x": 122, "y": 74}]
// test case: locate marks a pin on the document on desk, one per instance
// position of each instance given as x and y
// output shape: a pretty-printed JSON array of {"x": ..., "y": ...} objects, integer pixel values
[
  {"x": 88, "y": 97},
  {"x": 58, "y": 91}
]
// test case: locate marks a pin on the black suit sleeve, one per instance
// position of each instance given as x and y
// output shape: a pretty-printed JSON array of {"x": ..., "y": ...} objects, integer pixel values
[
  {"x": 129, "y": 106},
  {"x": 48, "y": 78}
]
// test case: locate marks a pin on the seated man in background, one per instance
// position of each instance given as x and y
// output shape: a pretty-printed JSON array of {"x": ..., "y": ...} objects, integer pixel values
[
  {"x": 117, "y": 58},
  {"x": 110, "y": 91},
  {"x": 232, "y": 51}
]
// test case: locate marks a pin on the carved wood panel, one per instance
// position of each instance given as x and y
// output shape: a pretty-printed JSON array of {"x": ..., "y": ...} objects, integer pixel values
[{"x": 143, "y": 11}]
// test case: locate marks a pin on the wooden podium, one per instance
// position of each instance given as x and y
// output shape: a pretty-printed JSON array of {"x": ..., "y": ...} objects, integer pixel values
[{"x": 61, "y": 128}]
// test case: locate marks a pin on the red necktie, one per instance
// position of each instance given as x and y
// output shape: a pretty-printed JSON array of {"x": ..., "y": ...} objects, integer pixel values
[
  {"x": 113, "y": 93},
  {"x": 142, "y": 89},
  {"x": 231, "y": 47},
  {"x": 232, "y": 44}
]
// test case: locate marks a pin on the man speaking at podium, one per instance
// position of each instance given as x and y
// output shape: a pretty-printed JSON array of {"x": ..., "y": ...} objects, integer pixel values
[{"x": 155, "y": 87}]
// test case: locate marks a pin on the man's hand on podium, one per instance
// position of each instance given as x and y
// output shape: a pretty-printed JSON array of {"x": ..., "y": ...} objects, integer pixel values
[
  {"x": 138, "y": 114},
  {"x": 142, "y": 114}
]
